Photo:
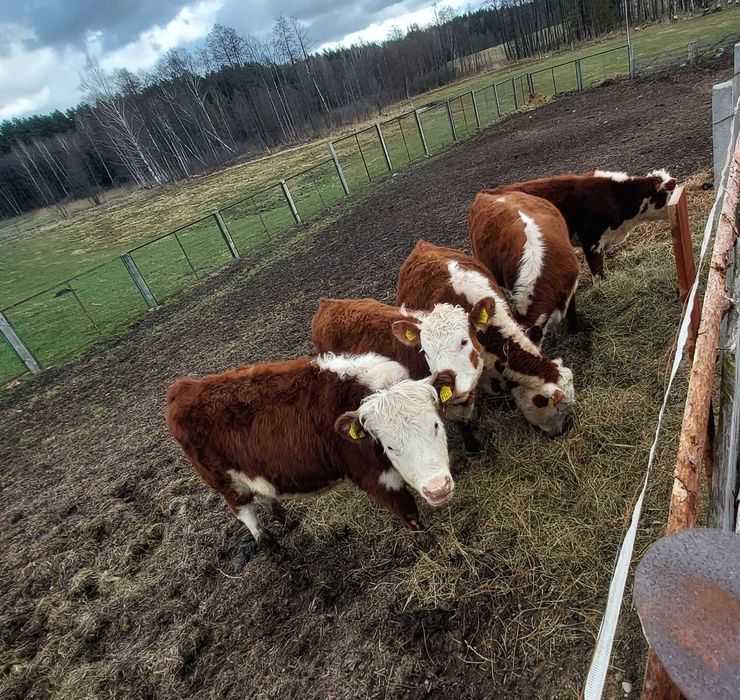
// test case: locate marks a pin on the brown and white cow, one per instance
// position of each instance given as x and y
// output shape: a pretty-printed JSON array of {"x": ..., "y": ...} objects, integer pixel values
[
  {"x": 542, "y": 388},
  {"x": 424, "y": 342},
  {"x": 523, "y": 241},
  {"x": 601, "y": 207},
  {"x": 275, "y": 430}
]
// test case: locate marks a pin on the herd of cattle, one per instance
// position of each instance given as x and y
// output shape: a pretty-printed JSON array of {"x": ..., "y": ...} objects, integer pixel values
[{"x": 369, "y": 407}]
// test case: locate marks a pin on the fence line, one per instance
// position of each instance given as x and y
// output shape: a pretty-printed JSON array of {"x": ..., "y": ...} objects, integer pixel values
[{"x": 49, "y": 326}]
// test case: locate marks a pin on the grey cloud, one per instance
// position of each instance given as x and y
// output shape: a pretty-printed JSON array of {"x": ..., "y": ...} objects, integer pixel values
[{"x": 59, "y": 22}]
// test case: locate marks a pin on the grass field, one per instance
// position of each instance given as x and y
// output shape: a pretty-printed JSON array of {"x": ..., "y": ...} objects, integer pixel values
[{"x": 97, "y": 303}]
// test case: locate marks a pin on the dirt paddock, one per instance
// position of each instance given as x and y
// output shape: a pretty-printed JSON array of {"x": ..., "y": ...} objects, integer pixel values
[{"x": 116, "y": 562}]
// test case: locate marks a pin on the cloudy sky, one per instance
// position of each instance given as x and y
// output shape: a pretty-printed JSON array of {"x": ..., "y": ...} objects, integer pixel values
[{"x": 43, "y": 42}]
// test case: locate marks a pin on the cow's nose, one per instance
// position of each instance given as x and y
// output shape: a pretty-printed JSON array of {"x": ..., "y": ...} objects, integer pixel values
[{"x": 438, "y": 489}]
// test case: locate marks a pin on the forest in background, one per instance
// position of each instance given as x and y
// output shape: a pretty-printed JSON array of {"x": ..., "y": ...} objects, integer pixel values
[{"x": 239, "y": 96}]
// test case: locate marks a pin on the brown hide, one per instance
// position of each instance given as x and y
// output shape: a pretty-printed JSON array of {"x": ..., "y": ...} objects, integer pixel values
[
  {"x": 592, "y": 205},
  {"x": 424, "y": 280},
  {"x": 277, "y": 421},
  {"x": 364, "y": 325},
  {"x": 497, "y": 235}
]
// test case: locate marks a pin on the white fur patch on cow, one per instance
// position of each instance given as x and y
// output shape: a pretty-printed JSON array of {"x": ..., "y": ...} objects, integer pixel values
[
  {"x": 474, "y": 286},
  {"x": 662, "y": 173},
  {"x": 418, "y": 315},
  {"x": 530, "y": 265},
  {"x": 612, "y": 175},
  {"x": 447, "y": 343},
  {"x": 248, "y": 516},
  {"x": 370, "y": 369},
  {"x": 391, "y": 480},
  {"x": 257, "y": 486}
]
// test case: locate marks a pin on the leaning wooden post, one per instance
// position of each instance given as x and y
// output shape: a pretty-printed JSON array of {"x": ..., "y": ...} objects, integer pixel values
[
  {"x": 451, "y": 120},
  {"x": 384, "y": 147},
  {"x": 340, "y": 172},
  {"x": 139, "y": 281},
  {"x": 226, "y": 235},
  {"x": 475, "y": 108},
  {"x": 18, "y": 345},
  {"x": 688, "y": 472},
  {"x": 289, "y": 200},
  {"x": 678, "y": 216},
  {"x": 421, "y": 133}
]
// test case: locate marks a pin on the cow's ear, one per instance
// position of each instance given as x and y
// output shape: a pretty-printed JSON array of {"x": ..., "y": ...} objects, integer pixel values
[
  {"x": 407, "y": 332},
  {"x": 444, "y": 383},
  {"x": 669, "y": 185},
  {"x": 481, "y": 316},
  {"x": 349, "y": 427}
]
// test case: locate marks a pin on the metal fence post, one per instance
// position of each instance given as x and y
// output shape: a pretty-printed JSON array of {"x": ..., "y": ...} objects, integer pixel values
[
  {"x": 530, "y": 83},
  {"x": 475, "y": 108},
  {"x": 452, "y": 123},
  {"x": 139, "y": 281},
  {"x": 226, "y": 235},
  {"x": 721, "y": 125},
  {"x": 631, "y": 60},
  {"x": 579, "y": 74},
  {"x": 17, "y": 344},
  {"x": 383, "y": 146},
  {"x": 340, "y": 172},
  {"x": 495, "y": 96},
  {"x": 516, "y": 101},
  {"x": 289, "y": 200},
  {"x": 421, "y": 132}
]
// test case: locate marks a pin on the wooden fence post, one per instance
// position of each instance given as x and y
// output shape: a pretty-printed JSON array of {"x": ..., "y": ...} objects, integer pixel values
[
  {"x": 139, "y": 281},
  {"x": 452, "y": 122},
  {"x": 678, "y": 216},
  {"x": 688, "y": 472},
  {"x": 384, "y": 147},
  {"x": 289, "y": 200},
  {"x": 340, "y": 172},
  {"x": 475, "y": 108},
  {"x": 421, "y": 132},
  {"x": 226, "y": 235},
  {"x": 18, "y": 345}
]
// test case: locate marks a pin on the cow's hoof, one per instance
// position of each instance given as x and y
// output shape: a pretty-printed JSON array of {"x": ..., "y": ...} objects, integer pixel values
[{"x": 247, "y": 549}]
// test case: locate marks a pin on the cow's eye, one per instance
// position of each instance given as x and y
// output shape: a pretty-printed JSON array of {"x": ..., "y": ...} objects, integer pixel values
[
  {"x": 463, "y": 342},
  {"x": 389, "y": 448},
  {"x": 436, "y": 429}
]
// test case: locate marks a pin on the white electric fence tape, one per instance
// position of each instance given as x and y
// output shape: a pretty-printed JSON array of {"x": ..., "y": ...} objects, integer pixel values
[{"x": 600, "y": 662}]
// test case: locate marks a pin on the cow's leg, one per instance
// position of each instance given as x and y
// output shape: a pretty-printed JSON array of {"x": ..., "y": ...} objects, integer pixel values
[
  {"x": 245, "y": 509},
  {"x": 570, "y": 315},
  {"x": 595, "y": 262},
  {"x": 464, "y": 415},
  {"x": 389, "y": 489},
  {"x": 467, "y": 432}
]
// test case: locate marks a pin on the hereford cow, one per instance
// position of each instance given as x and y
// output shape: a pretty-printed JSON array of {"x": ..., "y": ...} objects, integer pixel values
[
  {"x": 601, "y": 207},
  {"x": 281, "y": 429},
  {"x": 523, "y": 241},
  {"x": 443, "y": 338},
  {"x": 542, "y": 388}
]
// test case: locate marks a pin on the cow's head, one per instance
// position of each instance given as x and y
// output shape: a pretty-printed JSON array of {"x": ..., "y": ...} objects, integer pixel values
[
  {"x": 405, "y": 421},
  {"x": 661, "y": 187},
  {"x": 447, "y": 337},
  {"x": 548, "y": 405}
]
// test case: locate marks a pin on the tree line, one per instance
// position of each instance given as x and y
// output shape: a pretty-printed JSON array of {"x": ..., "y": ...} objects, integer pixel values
[{"x": 236, "y": 96}]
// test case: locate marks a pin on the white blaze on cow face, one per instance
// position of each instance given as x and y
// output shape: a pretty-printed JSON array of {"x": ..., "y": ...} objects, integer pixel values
[
  {"x": 405, "y": 421},
  {"x": 448, "y": 341},
  {"x": 548, "y": 406},
  {"x": 655, "y": 207}
]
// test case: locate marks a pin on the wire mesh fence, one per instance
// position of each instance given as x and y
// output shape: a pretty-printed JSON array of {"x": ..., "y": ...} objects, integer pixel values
[{"x": 65, "y": 319}]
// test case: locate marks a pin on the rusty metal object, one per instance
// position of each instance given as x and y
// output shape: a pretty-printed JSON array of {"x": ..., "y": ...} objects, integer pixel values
[{"x": 687, "y": 594}]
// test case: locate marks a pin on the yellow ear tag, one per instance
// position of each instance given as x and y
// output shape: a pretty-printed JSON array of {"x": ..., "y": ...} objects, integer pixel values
[
  {"x": 445, "y": 393},
  {"x": 483, "y": 318},
  {"x": 552, "y": 401},
  {"x": 410, "y": 335},
  {"x": 356, "y": 433}
]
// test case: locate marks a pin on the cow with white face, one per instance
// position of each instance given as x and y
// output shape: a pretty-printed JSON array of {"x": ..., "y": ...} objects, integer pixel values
[
  {"x": 285, "y": 429},
  {"x": 436, "y": 340}
]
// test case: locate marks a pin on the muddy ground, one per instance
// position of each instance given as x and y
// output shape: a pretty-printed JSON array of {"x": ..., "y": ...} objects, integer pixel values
[{"x": 116, "y": 562}]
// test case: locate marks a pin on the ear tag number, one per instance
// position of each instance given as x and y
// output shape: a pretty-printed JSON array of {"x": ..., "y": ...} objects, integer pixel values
[
  {"x": 483, "y": 318},
  {"x": 445, "y": 393},
  {"x": 410, "y": 335}
]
